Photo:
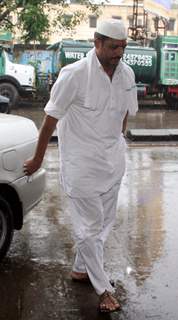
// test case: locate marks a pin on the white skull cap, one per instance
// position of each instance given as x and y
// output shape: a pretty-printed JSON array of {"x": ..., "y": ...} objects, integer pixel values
[{"x": 112, "y": 28}]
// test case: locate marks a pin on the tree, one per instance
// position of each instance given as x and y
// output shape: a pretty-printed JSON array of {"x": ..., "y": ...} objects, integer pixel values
[
  {"x": 34, "y": 23},
  {"x": 34, "y": 18}
]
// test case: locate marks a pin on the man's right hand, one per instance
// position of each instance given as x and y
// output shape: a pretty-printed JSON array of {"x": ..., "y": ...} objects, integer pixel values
[
  {"x": 30, "y": 166},
  {"x": 47, "y": 128}
]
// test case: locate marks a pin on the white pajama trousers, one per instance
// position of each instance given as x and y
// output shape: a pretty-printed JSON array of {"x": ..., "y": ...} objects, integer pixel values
[{"x": 92, "y": 220}]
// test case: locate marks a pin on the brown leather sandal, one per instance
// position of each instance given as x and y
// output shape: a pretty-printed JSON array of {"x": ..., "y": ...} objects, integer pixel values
[{"x": 108, "y": 303}]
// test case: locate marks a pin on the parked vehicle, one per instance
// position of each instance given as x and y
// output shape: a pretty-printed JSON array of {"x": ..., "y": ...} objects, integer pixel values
[
  {"x": 18, "y": 193},
  {"x": 66, "y": 52},
  {"x": 155, "y": 66},
  {"x": 4, "y": 104},
  {"x": 16, "y": 80}
]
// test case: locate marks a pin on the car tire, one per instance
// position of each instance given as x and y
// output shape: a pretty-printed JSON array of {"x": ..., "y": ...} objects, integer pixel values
[
  {"x": 4, "y": 108},
  {"x": 9, "y": 90},
  {"x": 6, "y": 227}
]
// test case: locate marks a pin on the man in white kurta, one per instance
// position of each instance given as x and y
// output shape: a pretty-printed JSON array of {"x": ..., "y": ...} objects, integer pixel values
[{"x": 89, "y": 108}]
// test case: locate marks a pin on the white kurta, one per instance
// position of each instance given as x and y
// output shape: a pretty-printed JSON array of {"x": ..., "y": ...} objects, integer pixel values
[{"x": 91, "y": 110}]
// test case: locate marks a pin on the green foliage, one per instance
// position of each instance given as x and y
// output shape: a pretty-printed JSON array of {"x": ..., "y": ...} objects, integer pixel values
[
  {"x": 34, "y": 23},
  {"x": 35, "y": 18}
]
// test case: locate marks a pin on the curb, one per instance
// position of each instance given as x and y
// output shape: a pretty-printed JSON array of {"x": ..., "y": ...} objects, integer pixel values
[{"x": 152, "y": 134}]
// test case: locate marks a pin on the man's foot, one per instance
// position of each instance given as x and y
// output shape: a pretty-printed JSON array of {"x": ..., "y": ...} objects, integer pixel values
[
  {"x": 80, "y": 276},
  {"x": 108, "y": 303}
]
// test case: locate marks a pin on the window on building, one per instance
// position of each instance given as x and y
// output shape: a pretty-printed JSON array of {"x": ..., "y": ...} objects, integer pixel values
[
  {"x": 171, "y": 24},
  {"x": 155, "y": 23},
  {"x": 140, "y": 22},
  {"x": 92, "y": 21},
  {"x": 117, "y": 17},
  {"x": 130, "y": 20},
  {"x": 148, "y": 25}
]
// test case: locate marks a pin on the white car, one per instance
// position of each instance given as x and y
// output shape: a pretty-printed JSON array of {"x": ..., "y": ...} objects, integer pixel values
[{"x": 18, "y": 193}]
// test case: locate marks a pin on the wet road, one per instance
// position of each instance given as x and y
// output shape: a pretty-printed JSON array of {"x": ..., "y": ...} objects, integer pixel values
[
  {"x": 146, "y": 118},
  {"x": 141, "y": 254}
]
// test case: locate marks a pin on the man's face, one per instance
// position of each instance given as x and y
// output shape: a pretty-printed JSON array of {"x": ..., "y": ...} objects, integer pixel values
[{"x": 110, "y": 51}]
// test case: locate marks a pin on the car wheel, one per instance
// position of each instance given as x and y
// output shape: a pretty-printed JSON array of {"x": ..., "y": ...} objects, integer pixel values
[
  {"x": 6, "y": 227},
  {"x": 9, "y": 90},
  {"x": 4, "y": 108}
]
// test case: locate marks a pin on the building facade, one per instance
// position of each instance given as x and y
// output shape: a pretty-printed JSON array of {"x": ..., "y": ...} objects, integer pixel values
[{"x": 152, "y": 19}]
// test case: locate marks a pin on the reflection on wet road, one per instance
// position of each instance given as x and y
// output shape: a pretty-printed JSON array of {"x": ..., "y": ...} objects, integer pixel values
[{"x": 141, "y": 253}]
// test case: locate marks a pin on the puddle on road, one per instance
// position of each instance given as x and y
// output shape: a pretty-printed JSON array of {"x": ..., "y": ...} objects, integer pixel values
[{"x": 145, "y": 242}]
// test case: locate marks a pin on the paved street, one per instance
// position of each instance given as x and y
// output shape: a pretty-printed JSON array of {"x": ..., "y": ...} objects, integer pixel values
[
  {"x": 141, "y": 254},
  {"x": 147, "y": 118}
]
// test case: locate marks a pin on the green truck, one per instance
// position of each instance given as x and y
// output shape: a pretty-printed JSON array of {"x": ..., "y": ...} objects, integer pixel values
[{"x": 155, "y": 66}]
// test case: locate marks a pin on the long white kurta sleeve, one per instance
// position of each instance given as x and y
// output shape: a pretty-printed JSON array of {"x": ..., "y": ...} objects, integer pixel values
[{"x": 91, "y": 109}]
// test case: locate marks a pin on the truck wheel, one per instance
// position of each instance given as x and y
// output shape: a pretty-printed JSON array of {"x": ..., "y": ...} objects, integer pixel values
[
  {"x": 171, "y": 101},
  {"x": 6, "y": 227},
  {"x": 9, "y": 90}
]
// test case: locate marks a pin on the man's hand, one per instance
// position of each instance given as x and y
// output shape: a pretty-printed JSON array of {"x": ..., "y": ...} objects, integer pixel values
[
  {"x": 47, "y": 128},
  {"x": 30, "y": 166}
]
